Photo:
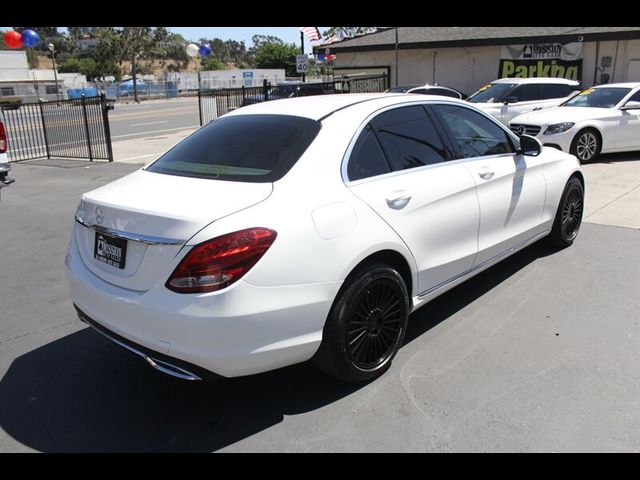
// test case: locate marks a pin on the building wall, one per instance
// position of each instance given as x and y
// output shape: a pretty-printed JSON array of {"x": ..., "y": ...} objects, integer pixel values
[
  {"x": 469, "y": 68},
  {"x": 622, "y": 52},
  {"x": 226, "y": 78}
]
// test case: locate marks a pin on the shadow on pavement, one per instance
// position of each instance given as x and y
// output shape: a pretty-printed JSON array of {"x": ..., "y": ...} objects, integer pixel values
[
  {"x": 617, "y": 157},
  {"x": 81, "y": 393}
]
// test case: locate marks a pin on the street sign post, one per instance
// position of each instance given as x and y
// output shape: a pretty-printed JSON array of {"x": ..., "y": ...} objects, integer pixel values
[{"x": 302, "y": 64}]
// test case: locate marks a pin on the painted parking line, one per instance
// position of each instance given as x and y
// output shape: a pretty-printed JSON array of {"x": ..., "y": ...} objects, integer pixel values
[
  {"x": 148, "y": 123},
  {"x": 155, "y": 131}
]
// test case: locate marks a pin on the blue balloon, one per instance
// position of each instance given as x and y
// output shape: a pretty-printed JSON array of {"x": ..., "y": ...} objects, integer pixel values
[
  {"x": 204, "y": 50},
  {"x": 30, "y": 38}
]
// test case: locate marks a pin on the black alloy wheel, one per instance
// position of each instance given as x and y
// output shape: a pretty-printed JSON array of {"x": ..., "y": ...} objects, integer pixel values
[
  {"x": 572, "y": 213},
  {"x": 375, "y": 324},
  {"x": 366, "y": 325},
  {"x": 568, "y": 216}
]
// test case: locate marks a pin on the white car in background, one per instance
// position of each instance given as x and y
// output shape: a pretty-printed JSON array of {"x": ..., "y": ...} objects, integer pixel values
[
  {"x": 310, "y": 228},
  {"x": 509, "y": 97},
  {"x": 601, "y": 119}
]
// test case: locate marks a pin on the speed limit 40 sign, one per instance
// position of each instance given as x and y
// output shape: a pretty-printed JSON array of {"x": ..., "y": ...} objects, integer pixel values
[{"x": 302, "y": 63}]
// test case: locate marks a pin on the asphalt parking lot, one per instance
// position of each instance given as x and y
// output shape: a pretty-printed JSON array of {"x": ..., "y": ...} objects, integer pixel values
[{"x": 539, "y": 353}]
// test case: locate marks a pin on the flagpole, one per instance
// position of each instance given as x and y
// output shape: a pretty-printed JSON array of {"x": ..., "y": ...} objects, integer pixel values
[{"x": 302, "y": 51}]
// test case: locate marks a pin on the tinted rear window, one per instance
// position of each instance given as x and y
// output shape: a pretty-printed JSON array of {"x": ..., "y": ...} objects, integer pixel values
[{"x": 244, "y": 148}]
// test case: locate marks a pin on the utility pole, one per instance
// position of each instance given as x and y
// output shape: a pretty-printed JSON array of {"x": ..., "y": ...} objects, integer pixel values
[
  {"x": 302, "y": 51},
  {"x": 52, "y": 49},
  {"x": 396, "y": 56}
]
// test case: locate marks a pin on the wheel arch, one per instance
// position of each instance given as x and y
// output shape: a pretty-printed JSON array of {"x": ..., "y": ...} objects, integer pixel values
[
  {"x": 590, "y": 126},
  {"x": 579, "y": 175},
  {"x": 389, "y": 257}
]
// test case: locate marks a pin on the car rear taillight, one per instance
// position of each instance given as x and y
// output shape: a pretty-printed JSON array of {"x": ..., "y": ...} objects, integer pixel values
[
  {"x": 217, "y": 263},
  {"x": 3, "y": 139}
]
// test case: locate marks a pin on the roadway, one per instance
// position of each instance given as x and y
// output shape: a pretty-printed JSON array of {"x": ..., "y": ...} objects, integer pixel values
[{"x": 129, "y": 121}]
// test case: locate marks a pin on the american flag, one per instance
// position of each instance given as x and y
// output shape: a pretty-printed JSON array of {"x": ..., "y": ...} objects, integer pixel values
[
  {"x": 312, "y": 33},
  {"x": 337, "y": 36}
]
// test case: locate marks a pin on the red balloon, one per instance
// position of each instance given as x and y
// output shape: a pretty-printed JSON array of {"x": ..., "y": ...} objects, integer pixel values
[{"x": 13, "y": 39}]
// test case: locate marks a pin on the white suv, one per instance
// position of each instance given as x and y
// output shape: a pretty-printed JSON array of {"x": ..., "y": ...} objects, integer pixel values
[{"x": 509, "y": 97}]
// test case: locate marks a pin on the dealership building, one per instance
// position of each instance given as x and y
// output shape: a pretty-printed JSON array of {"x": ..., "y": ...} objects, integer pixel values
[{"x": 466, "y": 58}]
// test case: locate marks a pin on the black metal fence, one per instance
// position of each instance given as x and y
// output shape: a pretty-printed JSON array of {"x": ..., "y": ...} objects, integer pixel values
[
  {"x": 77, "y": 128},
  {"x": 213, "y": 103}
]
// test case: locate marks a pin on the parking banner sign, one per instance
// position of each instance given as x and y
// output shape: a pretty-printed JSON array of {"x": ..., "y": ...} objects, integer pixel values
[{"x": 542, "y": 60}]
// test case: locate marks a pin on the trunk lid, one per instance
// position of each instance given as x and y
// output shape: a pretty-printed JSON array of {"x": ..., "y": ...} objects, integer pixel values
[{"x": 155, "y": 214}]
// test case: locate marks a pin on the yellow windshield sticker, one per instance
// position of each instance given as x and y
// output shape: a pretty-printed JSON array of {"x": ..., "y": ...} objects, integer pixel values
[
  {"x": 587, "y": 91},
  {"x": 485, "y": 87}
]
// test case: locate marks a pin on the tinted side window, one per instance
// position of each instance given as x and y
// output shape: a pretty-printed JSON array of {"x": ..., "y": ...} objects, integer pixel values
[
  {"x": 526, "y": 93},
  {"x": 473, "y": 134},
  {"x": 444, "y": 91},
  {"x": 554, "y": 91},
  {"x": 409, "y": 138},
  {"x": 367, "y": 158},
  {"x": 421, "y": 91}
]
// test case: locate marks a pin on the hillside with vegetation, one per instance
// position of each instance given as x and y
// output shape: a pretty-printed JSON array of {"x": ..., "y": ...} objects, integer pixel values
[{"x": 100, "y": 52}]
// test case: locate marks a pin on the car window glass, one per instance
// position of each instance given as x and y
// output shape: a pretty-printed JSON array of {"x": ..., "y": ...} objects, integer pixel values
[
  {"x": 367, "y": 158},
  {"x": 244, "y": 148},
  {"x": 526, "y": 93},
  {"x": 421, "y": 91},
  {"x": 409, "y": 138},
  {"x": 550, "y": 90},
  {"x": 604, "y": 97},
  {"x": 492, "y": 92},
  {"x": 474, "y": 134},
  {"x": 444, "y": 91}
]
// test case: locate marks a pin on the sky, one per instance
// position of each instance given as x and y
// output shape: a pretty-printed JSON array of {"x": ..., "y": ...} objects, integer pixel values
[{"x": 287, "y": 34}]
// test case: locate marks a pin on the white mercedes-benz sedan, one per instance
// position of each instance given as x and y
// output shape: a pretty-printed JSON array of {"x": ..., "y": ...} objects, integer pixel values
[
  {"x": 602, "y": 119},
  {"x": 310, "y": 228}
]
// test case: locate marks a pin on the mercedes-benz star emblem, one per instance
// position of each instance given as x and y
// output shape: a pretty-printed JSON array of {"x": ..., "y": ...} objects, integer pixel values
[
  {"x": 520, "y": 129},
  {"x": 99, "y": 215}
]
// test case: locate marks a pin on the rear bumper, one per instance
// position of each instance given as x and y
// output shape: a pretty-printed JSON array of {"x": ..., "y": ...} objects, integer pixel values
[
  {"x": 5, "y": 168},
  {"x": 241, "y": 330},
  {"x": 164, "y": 363}
]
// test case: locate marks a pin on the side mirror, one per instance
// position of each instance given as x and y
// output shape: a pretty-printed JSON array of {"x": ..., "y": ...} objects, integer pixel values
[
  {"x": 509, "y": 100},
  {"x": 529, "y": 146},
  {"x": 631, "y": 105}
]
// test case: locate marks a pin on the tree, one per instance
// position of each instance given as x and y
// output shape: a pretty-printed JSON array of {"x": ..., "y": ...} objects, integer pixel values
[
  {"x": 78, "y": 33},
  {"x": 134, "y": 44},
  {"x": 212, "y": 63},
  {"x": 272, "y": 52},
  {"x": 174, "y": 47}
]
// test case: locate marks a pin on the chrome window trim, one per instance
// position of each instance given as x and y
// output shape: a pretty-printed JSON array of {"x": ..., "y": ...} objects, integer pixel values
[{"x": 136, "y": 237}]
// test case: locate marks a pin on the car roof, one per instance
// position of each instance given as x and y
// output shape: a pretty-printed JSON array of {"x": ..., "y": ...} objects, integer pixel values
[
  {"x": 536, "y": 80},
  {"x": 618, "y": 85},
  {"x": 319, "y": 106}
]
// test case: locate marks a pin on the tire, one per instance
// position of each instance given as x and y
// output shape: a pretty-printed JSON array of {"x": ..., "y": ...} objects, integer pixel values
[
  {"x": 568, "y": 216},
  {"x": 586, "y": 145},
  {"x": 366, "y": 325}
]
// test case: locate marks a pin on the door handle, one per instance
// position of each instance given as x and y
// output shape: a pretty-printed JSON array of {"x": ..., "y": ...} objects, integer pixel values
[
  {"x": 485, "y": 173},
  {"x": 398, "y": 199}
]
